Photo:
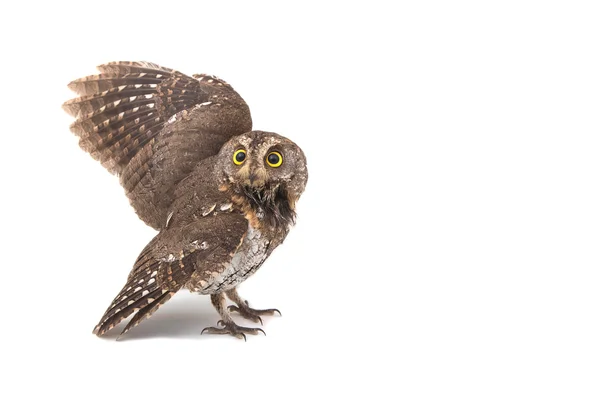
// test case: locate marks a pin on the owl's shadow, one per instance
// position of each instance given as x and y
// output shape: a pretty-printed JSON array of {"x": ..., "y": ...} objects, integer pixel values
[{"x": 184, "y": 316}]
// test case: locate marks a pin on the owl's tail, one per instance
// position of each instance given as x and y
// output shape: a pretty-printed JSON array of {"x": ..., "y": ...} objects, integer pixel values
[
  {"x": 141, "y": 294},
  {"x": 122, "y": 109}
]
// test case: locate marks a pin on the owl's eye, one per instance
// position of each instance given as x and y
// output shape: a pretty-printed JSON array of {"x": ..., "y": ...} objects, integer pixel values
[
  {"x": 274, "y": 159},
  {"x": 239, "y": 157}
]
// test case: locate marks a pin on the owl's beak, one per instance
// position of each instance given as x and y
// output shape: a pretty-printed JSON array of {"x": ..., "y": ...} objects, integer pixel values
[
  {"x": 257, "y": 177},
  {"x": 252, "y": 177}
]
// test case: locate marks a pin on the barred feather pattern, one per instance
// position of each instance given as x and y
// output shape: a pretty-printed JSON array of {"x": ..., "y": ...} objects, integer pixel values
[
  {"x": 151, "y": 283},
  {"x": 147, "y": 311},
  {"x": 151, "y": 125},
  {"x": 122, "y": 110},
  {"x": 141, "y": 290}
]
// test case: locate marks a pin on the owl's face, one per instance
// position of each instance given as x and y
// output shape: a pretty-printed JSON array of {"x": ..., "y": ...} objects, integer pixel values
[{"x": 262, "y": 162}]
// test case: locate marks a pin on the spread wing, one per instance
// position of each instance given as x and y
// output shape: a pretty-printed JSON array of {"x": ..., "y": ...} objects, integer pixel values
[
  {"x": 168, "y": 263},
  {"x": 150, "y": 125}
]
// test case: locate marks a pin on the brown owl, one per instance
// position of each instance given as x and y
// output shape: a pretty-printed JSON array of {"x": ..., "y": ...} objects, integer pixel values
[{"x": 221, "y": 195}]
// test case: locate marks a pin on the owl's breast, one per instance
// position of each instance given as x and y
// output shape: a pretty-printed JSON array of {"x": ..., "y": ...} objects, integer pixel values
[{"x": 252, "y": 252}]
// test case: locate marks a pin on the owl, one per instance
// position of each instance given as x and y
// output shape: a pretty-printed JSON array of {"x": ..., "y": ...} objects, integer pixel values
[{"x": 221, "y": 196}]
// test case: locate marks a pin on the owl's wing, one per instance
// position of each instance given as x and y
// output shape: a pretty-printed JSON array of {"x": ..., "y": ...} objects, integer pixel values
[
  {"x": 122, "y": 110},
  {"x": 168, "y": 263},
  {"x": 151, "y": 125}
]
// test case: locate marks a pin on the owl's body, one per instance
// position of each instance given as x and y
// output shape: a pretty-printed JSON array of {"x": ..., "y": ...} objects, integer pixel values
[{"x": 222, "y": 196}]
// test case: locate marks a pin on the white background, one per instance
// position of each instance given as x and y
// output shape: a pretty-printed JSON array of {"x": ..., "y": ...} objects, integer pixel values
[{"x": 447, "y": 242}]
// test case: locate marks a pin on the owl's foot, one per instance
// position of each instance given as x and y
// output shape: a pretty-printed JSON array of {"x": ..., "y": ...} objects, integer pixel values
[
  {"x": 244, "y": 309},
  {"x": 250, "y": 313},
  {"x": 230, "y": 328}
]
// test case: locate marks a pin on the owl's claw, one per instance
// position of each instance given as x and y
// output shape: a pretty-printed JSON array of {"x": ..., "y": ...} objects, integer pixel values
[
  {"x": 252, "y": 314},
  {"x": 232, "y": 329},
  {"x": 223, "y": 331},
  {"x": 272, "y": 311},
  {"x": 246, "y": 314}
]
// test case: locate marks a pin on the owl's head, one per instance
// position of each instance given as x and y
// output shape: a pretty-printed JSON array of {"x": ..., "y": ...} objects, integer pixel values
[{"x": 267, "y": 168}]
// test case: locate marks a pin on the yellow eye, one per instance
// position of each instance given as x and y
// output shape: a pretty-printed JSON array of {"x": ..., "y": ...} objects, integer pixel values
[
  {"x": 274, "y": 159},
  {"x": 239, "y": 157}
]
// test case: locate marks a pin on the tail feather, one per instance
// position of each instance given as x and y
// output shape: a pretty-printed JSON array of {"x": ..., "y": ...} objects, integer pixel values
[
  {"x": 150, "y": 284},
  {"x": 140, "y": 283},
  {"x": 145, "y": 259},
  {"x": 142, "y": 289},
  {"x": 146, "y": 311},
  {"x": 120, "y": 314}
]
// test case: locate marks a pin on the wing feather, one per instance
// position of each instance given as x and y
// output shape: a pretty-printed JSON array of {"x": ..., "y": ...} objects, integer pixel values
[
  {"x": 122, "y": 109},
  {"x": 151, "y": 125},
  {"x": 169, "y": 262}
]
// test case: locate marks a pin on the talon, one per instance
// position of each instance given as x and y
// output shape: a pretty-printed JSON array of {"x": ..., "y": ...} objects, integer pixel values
[
  {"x": 220, "y": 323},
  {"x": 260, "y": 320},
  {"x": 252, "y": 314},
  {"x": 233, "y": 309},
  {"x": 233, "y": 330}
]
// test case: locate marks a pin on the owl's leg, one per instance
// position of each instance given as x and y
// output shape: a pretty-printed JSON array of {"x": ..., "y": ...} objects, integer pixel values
[
  {"x": 229, "y": 327},
  {"x": 244, "y": 309}
]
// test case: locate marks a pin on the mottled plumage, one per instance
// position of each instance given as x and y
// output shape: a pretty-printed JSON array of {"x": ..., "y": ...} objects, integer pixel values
[{"x": 221, "y": 196}]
